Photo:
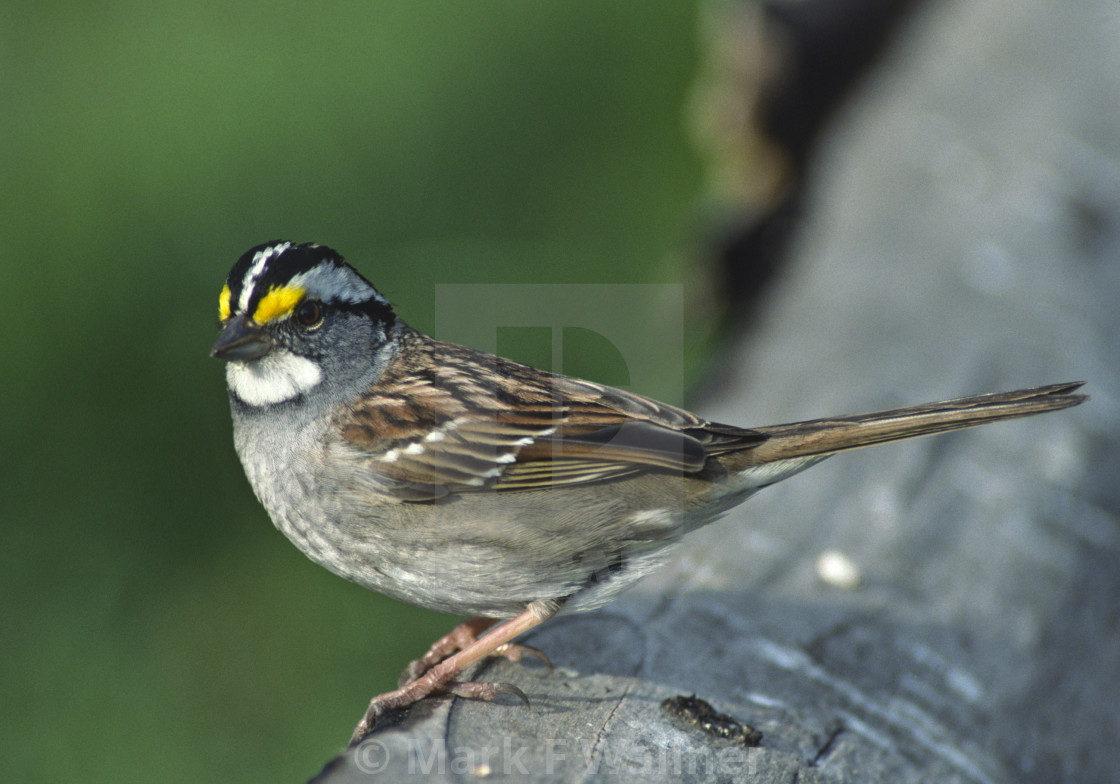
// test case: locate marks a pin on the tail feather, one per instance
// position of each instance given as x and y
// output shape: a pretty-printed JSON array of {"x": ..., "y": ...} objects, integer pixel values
[{"x": 822, "y": 437}]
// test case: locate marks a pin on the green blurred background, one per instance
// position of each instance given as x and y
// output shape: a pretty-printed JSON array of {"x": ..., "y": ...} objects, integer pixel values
[{"x": 156, "y": 626}]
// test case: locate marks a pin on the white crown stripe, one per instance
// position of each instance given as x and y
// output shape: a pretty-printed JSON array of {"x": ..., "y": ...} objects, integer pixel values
[
  {"x": 326, "y": 281},
  {"x": 249, "y": 282}
]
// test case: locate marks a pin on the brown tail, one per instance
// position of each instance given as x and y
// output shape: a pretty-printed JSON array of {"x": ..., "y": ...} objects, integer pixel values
[{"x": 837, "y": 434}]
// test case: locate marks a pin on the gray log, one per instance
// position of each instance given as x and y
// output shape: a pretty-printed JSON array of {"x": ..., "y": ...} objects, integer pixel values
[{"x": 963, "y": 238}]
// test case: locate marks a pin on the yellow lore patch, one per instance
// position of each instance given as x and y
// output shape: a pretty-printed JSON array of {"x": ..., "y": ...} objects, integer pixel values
[
  {"x": 223, "y": 303},
  {"x": 277, "y": 303}
]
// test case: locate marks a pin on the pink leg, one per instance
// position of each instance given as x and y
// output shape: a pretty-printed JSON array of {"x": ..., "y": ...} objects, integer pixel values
[
  {"x": 461, "y": 637},
  {"x": 440, "y": 676}
]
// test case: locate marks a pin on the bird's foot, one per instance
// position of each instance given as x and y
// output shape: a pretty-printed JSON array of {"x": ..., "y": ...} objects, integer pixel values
[{"x": 461, "y": 637}]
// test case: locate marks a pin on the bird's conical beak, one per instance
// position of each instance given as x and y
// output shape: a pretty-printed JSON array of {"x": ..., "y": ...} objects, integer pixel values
[{"x": 241, "y": 339}]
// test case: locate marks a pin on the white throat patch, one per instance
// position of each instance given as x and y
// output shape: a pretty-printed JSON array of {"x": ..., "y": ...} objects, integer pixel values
[{"x": 274, "y": 378}]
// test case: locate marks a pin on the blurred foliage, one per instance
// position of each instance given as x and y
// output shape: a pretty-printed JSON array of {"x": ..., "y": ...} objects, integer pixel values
[{"x": 157, "y": 627}]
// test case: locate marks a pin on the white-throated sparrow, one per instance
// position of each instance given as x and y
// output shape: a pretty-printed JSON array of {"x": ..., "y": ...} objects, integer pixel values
[{"x": 470, "y": 484}]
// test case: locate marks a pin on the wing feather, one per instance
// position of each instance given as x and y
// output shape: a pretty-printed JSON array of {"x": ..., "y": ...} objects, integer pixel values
[{"x": 454, "y": 420}]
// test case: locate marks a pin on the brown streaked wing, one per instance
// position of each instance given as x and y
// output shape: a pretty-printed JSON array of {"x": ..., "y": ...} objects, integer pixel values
[{"x": 462, "y": 421}]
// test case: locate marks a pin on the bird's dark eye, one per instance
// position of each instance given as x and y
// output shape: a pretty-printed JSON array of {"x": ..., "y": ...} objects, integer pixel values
[{"x": 309, "y": 314}]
